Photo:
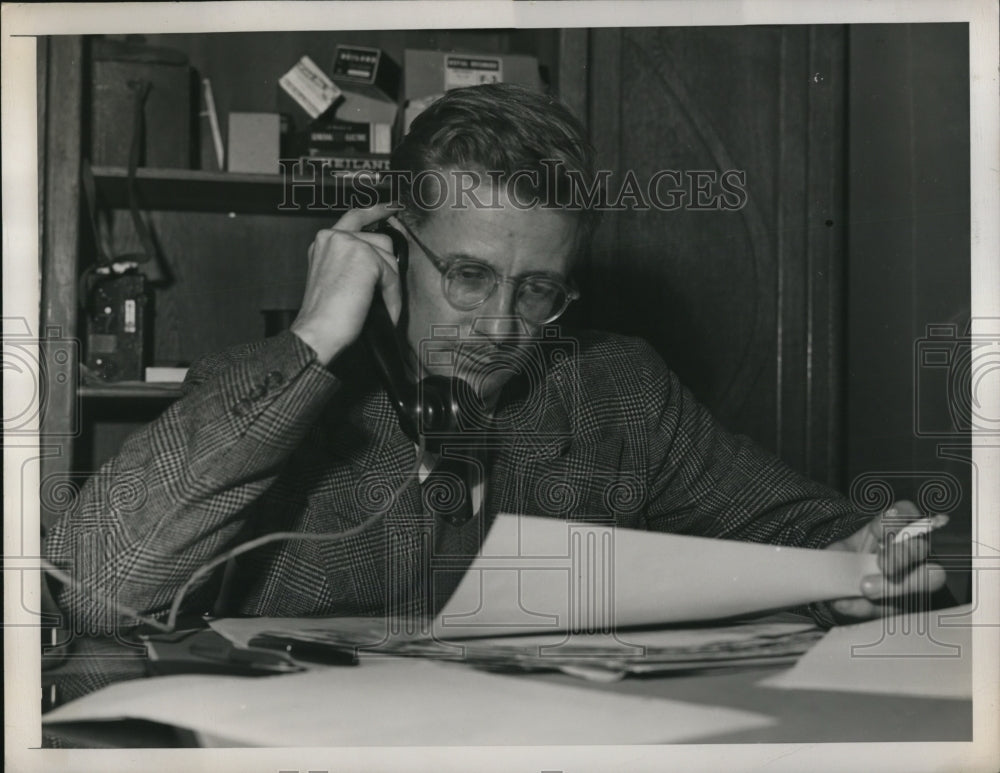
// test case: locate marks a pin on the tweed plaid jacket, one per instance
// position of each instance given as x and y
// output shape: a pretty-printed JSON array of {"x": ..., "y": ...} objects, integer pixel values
[{"x": 266, "y": 439}]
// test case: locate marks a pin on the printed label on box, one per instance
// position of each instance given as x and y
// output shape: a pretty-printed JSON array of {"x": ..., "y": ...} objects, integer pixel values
[
  {"x": 356, "y": 63},
  {"x": 461, "y": 71},
  {"x": 129, "y": 315},
  {"x": 381, "y": 138},
  {"x": 309, "y": 86}
]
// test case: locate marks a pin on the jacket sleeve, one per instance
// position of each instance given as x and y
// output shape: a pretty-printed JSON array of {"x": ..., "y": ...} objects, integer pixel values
[
  {"x": 175, "y": 495},
  {"x": 704, "y": 481}
]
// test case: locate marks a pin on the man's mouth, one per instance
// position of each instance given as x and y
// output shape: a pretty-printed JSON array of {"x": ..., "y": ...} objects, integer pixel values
[
  {"x": 479, "y": 354},
  {"x": 477, "y": 359},
  {"x": 509, "y": 355}
]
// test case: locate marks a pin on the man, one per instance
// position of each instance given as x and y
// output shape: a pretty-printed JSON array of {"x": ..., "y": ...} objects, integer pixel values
[{"x": 296, "y": 433}]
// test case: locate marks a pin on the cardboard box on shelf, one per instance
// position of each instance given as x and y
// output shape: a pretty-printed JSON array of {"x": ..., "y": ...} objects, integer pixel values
[
  {"x": 306, "y": 92},
  {"x": 370, "y": 165},
  {"x": 431, "y": 73},
  {"x": 369, "y": 82},
  {"x": 166, "y": 374},
  {"x": 254, "y": 142},
  {"x": 361, "y": 108},
  {"x": 415, "y": 107},
  {"x": 366, "y": 71},
  {"x": 333, "y": 137},
  {"x": 434, "y": 72}
]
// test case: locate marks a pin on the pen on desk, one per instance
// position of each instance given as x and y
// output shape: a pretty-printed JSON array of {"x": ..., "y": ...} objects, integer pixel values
[
  {"x": 920, "y": 526},
  {"x": 313, "y": 652},
  {"x": 243, "y": 658}
]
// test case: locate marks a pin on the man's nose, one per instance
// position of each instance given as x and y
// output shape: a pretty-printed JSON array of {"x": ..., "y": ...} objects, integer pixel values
[{"x": 498, "y": 319}]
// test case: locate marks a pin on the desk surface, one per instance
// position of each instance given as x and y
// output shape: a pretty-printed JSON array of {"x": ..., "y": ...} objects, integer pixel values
[{"x": 803, "y": 716}]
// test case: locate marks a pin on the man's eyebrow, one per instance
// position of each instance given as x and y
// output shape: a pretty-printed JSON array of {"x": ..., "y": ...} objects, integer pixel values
[{"x": 452, "y": 257}]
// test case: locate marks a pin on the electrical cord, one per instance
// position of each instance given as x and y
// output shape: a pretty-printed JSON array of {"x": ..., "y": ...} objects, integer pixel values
[{"x": 207, "y": 567}]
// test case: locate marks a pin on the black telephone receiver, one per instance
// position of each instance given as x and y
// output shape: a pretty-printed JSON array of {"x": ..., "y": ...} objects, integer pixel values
[{"x": 433, "y": 409}]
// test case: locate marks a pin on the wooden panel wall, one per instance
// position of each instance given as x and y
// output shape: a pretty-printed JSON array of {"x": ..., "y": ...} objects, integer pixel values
[
  {"x": 909, "y": 240},
  {"x": 745, "y": 305}
]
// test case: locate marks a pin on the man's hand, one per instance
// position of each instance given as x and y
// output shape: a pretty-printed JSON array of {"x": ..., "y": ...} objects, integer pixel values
[
  {"x": 903, "y": 562},
  {"x": 346, "y": 266}
]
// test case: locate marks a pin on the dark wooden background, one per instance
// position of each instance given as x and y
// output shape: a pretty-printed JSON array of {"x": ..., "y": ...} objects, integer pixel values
[{"x": 745, "y": 305}]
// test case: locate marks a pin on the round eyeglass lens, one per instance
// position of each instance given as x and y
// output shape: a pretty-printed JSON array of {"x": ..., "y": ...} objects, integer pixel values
[
  {"x": 468, "y": 284},
  {"x": 539, "y": 299}
]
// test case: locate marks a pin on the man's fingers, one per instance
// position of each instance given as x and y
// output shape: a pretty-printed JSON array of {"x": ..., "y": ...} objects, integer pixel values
[
  {"x": 853, "y": 610},
  {"x": 887, "y": 523},
  {"x": 926, "y": 578},
  {"x": 905, "y": 507},
  {"x": 389, "y": 283},
  {"x": 356, "y": 219},
  {"x": 381, "y": 243},
  {"x": 900, "y": 555},
  {"x": 393, "y": 299}
]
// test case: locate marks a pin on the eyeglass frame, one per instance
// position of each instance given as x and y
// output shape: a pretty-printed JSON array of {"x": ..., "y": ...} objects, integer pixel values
[{"x": 443, "y": 267}]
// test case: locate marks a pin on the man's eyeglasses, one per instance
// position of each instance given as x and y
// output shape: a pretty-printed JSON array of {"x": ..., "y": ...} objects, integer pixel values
[{"x": 468, "y": 284}]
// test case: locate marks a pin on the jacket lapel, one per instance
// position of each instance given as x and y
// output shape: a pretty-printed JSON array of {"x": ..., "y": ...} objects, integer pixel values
[{"x": 364, "y": 432}]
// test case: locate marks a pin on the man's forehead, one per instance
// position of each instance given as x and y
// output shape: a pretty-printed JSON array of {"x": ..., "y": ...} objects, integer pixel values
[
  {"x": 537, "y": 240},
  {"x": 463, "y": 188}
]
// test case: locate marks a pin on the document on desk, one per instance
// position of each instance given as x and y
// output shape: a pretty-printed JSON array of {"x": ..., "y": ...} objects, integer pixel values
[
  {"x": 597, "y": 656},
  {"x": 923, "y": 654},
  {"x": 402, "y": 702},
  {"x": 550, "y": 594},
  {"x": 535, "y": 575}
]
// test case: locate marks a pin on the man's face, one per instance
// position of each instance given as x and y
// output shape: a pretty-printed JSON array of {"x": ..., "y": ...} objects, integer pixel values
[{"x": 515, "y": 242}]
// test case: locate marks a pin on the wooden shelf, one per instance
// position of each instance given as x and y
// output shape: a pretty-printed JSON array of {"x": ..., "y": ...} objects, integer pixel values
[
  {"x": 191, "y": 190},
  {"x": 141, "y": 389}
]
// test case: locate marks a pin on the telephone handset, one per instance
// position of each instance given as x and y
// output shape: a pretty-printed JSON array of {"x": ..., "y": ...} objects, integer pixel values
[{"x": 432, "y": 408}]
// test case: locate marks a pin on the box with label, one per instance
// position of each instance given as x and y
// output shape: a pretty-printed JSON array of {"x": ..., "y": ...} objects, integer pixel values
[
  {"x": 369, "y": 81},
  {"x": 305, "y": 92},
  {"x": 368, "y": 71},
  {"x": 333, "y": 137},
  {"x": 434, "y": 72}
]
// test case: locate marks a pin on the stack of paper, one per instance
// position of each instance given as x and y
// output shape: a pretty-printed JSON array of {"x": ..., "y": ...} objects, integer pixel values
[
  {"x": 595, "y": 656},
  {"x": 402, "y": 702}
]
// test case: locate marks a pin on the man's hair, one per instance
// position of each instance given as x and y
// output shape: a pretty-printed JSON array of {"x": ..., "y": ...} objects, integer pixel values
[{"x": 500, "y": 129}]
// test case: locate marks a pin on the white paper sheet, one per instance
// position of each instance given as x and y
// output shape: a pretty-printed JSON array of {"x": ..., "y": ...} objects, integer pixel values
[
  {"x": 545, "y": 574},
  {"x": 373, "y": 630},
  {"x": 402, "y": 702},
  {"x": 921, "y": 654}
]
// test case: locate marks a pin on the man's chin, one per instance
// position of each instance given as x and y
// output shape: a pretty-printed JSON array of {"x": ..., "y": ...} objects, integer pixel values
[{"x": 485, "y": 381}]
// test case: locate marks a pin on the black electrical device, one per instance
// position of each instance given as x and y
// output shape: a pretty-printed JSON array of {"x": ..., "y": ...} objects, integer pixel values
[{"x": 117, "y": 326}]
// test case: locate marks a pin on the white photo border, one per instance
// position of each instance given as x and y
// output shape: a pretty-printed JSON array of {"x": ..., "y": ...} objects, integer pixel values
[{"x": 21, "y": 298}]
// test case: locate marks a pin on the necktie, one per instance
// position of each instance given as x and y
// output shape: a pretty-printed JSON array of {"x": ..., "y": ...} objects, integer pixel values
[
  {"x": 447, "y": 496},
  {"x": 447, "y": 491}
]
